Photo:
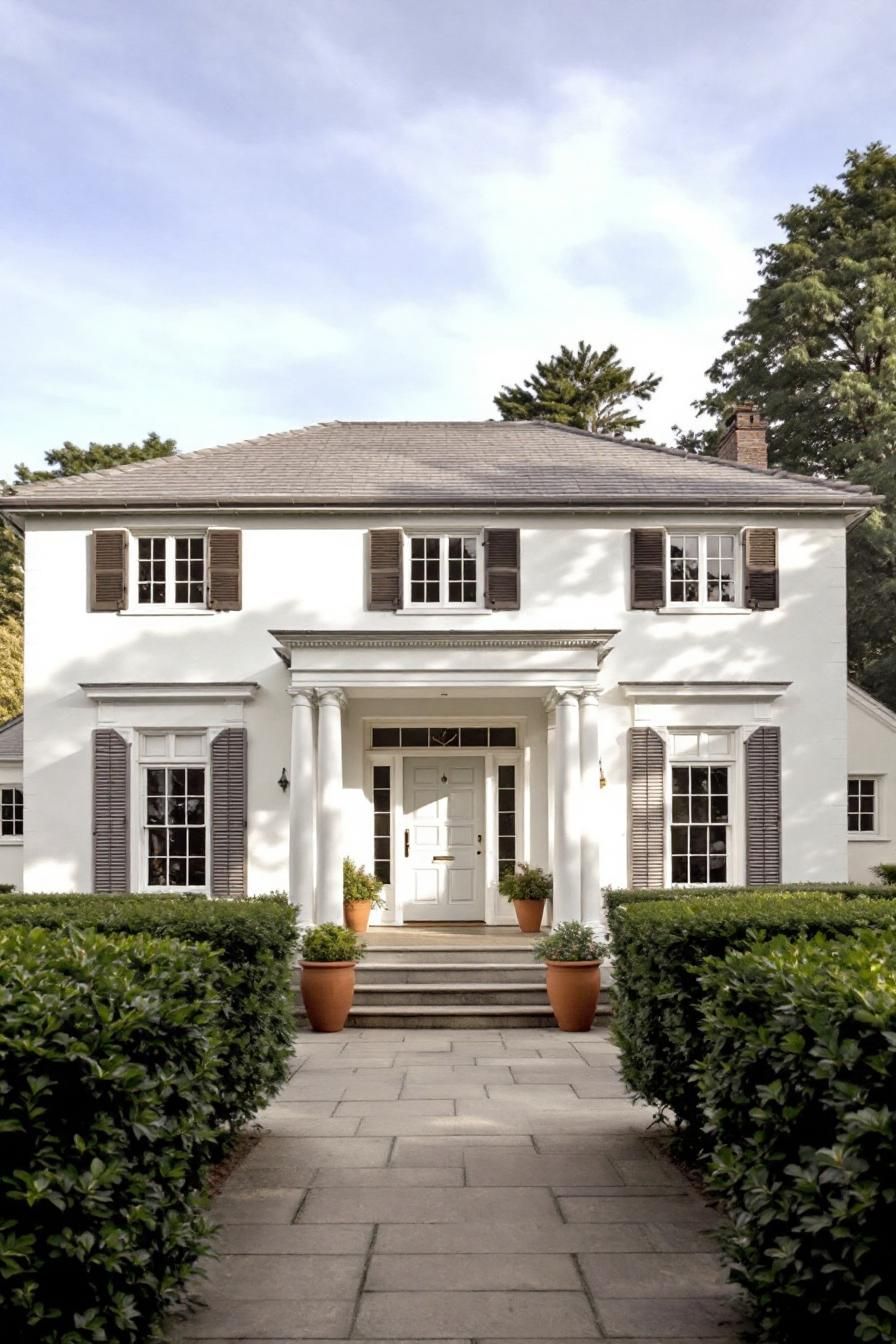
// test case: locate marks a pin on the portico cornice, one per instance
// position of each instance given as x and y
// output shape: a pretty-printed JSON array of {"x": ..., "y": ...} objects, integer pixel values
[{"x": 447, "y": 639}]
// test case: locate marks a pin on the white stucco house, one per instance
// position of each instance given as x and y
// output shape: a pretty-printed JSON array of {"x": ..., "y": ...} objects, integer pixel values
[{"x": 442, "y": 648}]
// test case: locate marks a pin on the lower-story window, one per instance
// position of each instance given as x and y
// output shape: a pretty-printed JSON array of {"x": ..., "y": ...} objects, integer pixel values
[
  {"x": 861, "y": 814},
  {"x": 382, "y": 822},
  {"x": 11, "y": 810},
  {"x": 701, "y": 816},
  {"x": 174, "y": 809}
]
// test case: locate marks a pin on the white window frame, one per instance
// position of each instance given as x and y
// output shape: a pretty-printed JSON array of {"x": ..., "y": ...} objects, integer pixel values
[
  {"x": 703, "y": 603},
  {"x": 170, "y": 761},
  {"x": 13, "y": 785},
  {"x": 443, "y": 604},
  {"x": 733, "y": 760},
  {"x": 170, "y": 538},
  {"x": 875, "y": 833}
]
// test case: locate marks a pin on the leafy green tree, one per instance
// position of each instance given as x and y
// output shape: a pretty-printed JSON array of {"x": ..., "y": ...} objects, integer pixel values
[
  {"x": 69, "y": 460},
  {"x": 590, "y": 389},
  {"x": 817, "y": 350}
]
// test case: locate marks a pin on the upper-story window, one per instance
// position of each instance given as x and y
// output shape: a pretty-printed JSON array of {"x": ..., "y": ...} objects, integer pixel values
[
  {"x": 702, "y": 568},
  {"x": 862, "y": 805},
  {"x": 444, "y": 570},
  {"x": 171, "y": 571}
]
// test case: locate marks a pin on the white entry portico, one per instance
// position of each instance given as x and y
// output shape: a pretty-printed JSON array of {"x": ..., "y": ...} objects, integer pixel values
[{"x": 438, "y": 760}]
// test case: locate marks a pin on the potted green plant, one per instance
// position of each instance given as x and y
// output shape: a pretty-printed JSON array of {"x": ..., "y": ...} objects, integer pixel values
[
  {"x": 360, "y": 894},
  {"x": 573, "y": 955},
  {"x": 527, "y": 889},
  {"x": 328, "y": 956}
]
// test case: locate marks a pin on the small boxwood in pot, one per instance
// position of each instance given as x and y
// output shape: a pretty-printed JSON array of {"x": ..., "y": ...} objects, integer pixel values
[
  {"x": 361, "y": 893},
  {"x": 573, "y": 954},
  {"x": 329, "y": 953},
  {"x": 527, "y": 889}
]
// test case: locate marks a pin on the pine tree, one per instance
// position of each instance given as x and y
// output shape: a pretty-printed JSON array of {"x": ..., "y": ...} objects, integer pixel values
[
  {"x": 587, "y": 388},
  {"x": 817, "y": 350}
]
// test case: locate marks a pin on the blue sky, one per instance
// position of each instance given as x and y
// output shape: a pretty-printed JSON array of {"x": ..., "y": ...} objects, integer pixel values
[{"x": 220, "y": 218}]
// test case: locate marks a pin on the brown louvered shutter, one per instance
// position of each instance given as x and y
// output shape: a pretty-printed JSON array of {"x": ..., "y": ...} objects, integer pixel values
[
  {"x": 648, "y": 563},
  {"x": 229, "y": 809},
  {"x": 111, "y": 823},
  {"x": 763, "y": 782},
  {"x": 761, "y": 568},
  {"x": 647, "y": 769},
  {"x": 225, "y": 588},
  {"x": 384, "y": 569},
  {"x": 502, "y": 568},
  {"x": 108, "y": 570}
]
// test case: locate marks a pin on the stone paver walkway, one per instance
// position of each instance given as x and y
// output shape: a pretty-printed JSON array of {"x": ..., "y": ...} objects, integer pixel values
[{"x": 460, "y": 1186}]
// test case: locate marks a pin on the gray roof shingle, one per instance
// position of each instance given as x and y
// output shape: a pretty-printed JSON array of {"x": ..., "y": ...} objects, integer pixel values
[
  {"x": 405, "y": 463},
  {"x": 11, "y": 735}
]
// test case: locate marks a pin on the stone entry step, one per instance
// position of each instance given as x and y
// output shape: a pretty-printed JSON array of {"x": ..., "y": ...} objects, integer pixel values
[
  {"x": 450, "y": 991},
  {"x": 415, "y": 972}
]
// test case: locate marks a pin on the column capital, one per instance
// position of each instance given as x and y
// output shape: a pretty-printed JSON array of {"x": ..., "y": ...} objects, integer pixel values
[
  {"x": 590, "y": 695},
  {"x": 562, "y": 694},
  {"x": 302, "y": 695},
  {"x": 331, "y": 695}
]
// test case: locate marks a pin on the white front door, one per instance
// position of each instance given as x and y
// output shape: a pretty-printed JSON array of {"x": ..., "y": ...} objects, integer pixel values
[{"x": 444, "y": 820}]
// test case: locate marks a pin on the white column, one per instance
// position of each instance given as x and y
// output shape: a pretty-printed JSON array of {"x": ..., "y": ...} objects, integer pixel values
[
  {"x": 567, "y": 810},
  {"x": 301, "y": 803},
  {"x": 592, "y": 901},
  {"x": 329, "y": 806}
]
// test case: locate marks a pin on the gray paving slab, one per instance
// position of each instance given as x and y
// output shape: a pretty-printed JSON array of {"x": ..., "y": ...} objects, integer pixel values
[
  {"x": 472, "y": 1272},
  {"x": 671, "y": 1275},
  {"x": 437, "y": 1205},
  {"x": 285, "y": 1118},
  {"x": 297, "y": 1239},
  {"x": 522, "y": 1237},
  {"x": 356, "y": 1178},
  {"x": 448, "y": 1150},
  {"x": 664, "y": 1318},
  {"x": 233, "y": 1318},
  {"x": 405, "y": 1107},
  {"x": 485, "y": 1315},
  {"x": 288, "y": 1152},
  {"x": 683, "y": 1209},
  {"x": 270, "y": 1207},
  {"x": 442, "y": 1091},
  {"x": 251, "y": 1277},
  {"x": 522, "y": 1167}
]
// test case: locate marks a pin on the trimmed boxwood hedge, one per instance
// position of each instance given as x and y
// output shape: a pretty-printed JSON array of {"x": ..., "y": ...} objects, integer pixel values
[
  {"x": 798, "y": 1085},
  {"x": 256, "y": 939},
  {"x": 659, "y": 948},
  {"x": 110, "y": 1052},
  {"x": 847, "y": 890}
]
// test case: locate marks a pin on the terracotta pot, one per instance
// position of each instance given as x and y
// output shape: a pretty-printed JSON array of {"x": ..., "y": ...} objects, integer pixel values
[
  {"x": 357, "y": 915},
  {"x": 529, "y": 915},
  {"x": 328, "y": 988},
  {"x": 573, "y": 989}
]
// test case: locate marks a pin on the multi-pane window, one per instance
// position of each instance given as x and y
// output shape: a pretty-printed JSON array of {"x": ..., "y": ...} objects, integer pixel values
[
  {"x": 701, "y": 815},
  {"x": 174, "y": 809},
  {"x": 11, "y": 810},
  {"x": 861, "y": 805},
  {"x": 506, "y": 819},
  {"x": 702, "y": 568},
  {"x": 382, "y": 822},
  {"x": 444, "y": 571},
  {"x": 423, "y": 736},
  {"x": 171, "y": 571}
]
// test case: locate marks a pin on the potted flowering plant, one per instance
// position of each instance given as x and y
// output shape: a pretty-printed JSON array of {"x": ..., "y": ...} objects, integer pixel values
[
  {"x": 360, "y": 894},
  {"x": 328, "y": 956},
  {"x": 527, "y": 889},
  {"x": 573, "y": 955}
]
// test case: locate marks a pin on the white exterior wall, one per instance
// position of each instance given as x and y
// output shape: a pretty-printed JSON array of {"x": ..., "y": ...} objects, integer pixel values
[
  {"x": 872, "y": 752},
  {"x": 309, "y": 573},
  {"x": 11, "y": 848}
]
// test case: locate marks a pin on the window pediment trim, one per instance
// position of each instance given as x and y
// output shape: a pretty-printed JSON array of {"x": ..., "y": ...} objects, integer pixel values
[
  {"x": 704, "y": 690},
  {"x": 137, "y": 692}
]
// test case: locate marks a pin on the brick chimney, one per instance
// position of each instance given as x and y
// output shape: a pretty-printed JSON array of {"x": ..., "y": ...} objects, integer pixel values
[{"x": 744, "y": 438}]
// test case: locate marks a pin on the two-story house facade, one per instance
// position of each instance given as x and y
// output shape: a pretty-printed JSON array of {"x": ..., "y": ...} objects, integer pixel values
[{"x": 439, "y": 649}]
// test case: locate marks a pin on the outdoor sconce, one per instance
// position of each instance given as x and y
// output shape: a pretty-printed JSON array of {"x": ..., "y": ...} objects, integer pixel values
[
  {"x": 603, "y": 778},
  {"x": 283, "y": 781}
]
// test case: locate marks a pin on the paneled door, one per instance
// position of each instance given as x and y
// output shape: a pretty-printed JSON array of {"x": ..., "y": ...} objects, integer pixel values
[{"x": 442, "y": 843}]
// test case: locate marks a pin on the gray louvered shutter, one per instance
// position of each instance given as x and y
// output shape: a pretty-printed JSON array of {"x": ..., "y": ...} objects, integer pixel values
[
  {"x": 384, "y": 569},
  {"x": 647, "y": 770},
  {"x": 229, "y": 808},
  {"x": 225, "y": 586},
  {"x": 763, "y": 783},
  {"x": 761, "y": 568},
  {"x": 648, "y": 566},
  {"x": 502, "y": 568},
  {"x": 111, "y": 811},
  {"x": 108, "y": 580}
]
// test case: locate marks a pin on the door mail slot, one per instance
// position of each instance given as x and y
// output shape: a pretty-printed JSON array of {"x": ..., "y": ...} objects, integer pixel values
[{"x": 443, "y": 858}]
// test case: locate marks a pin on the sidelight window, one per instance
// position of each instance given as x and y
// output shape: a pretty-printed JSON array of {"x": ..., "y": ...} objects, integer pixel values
[
  {"x": 506, "y": 819},
  {"x": 382, "y": 822}
]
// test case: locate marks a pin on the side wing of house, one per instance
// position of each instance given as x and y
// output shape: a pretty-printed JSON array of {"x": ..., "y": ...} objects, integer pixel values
[
  {"x": 871, "y": 786},
  {"x": 11, "y": 807}
]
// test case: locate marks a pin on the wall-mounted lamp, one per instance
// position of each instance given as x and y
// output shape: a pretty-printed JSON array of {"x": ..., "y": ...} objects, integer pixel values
[
  {"x": 603, "y": 778},
  {"x": 283, "y": 781}
]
